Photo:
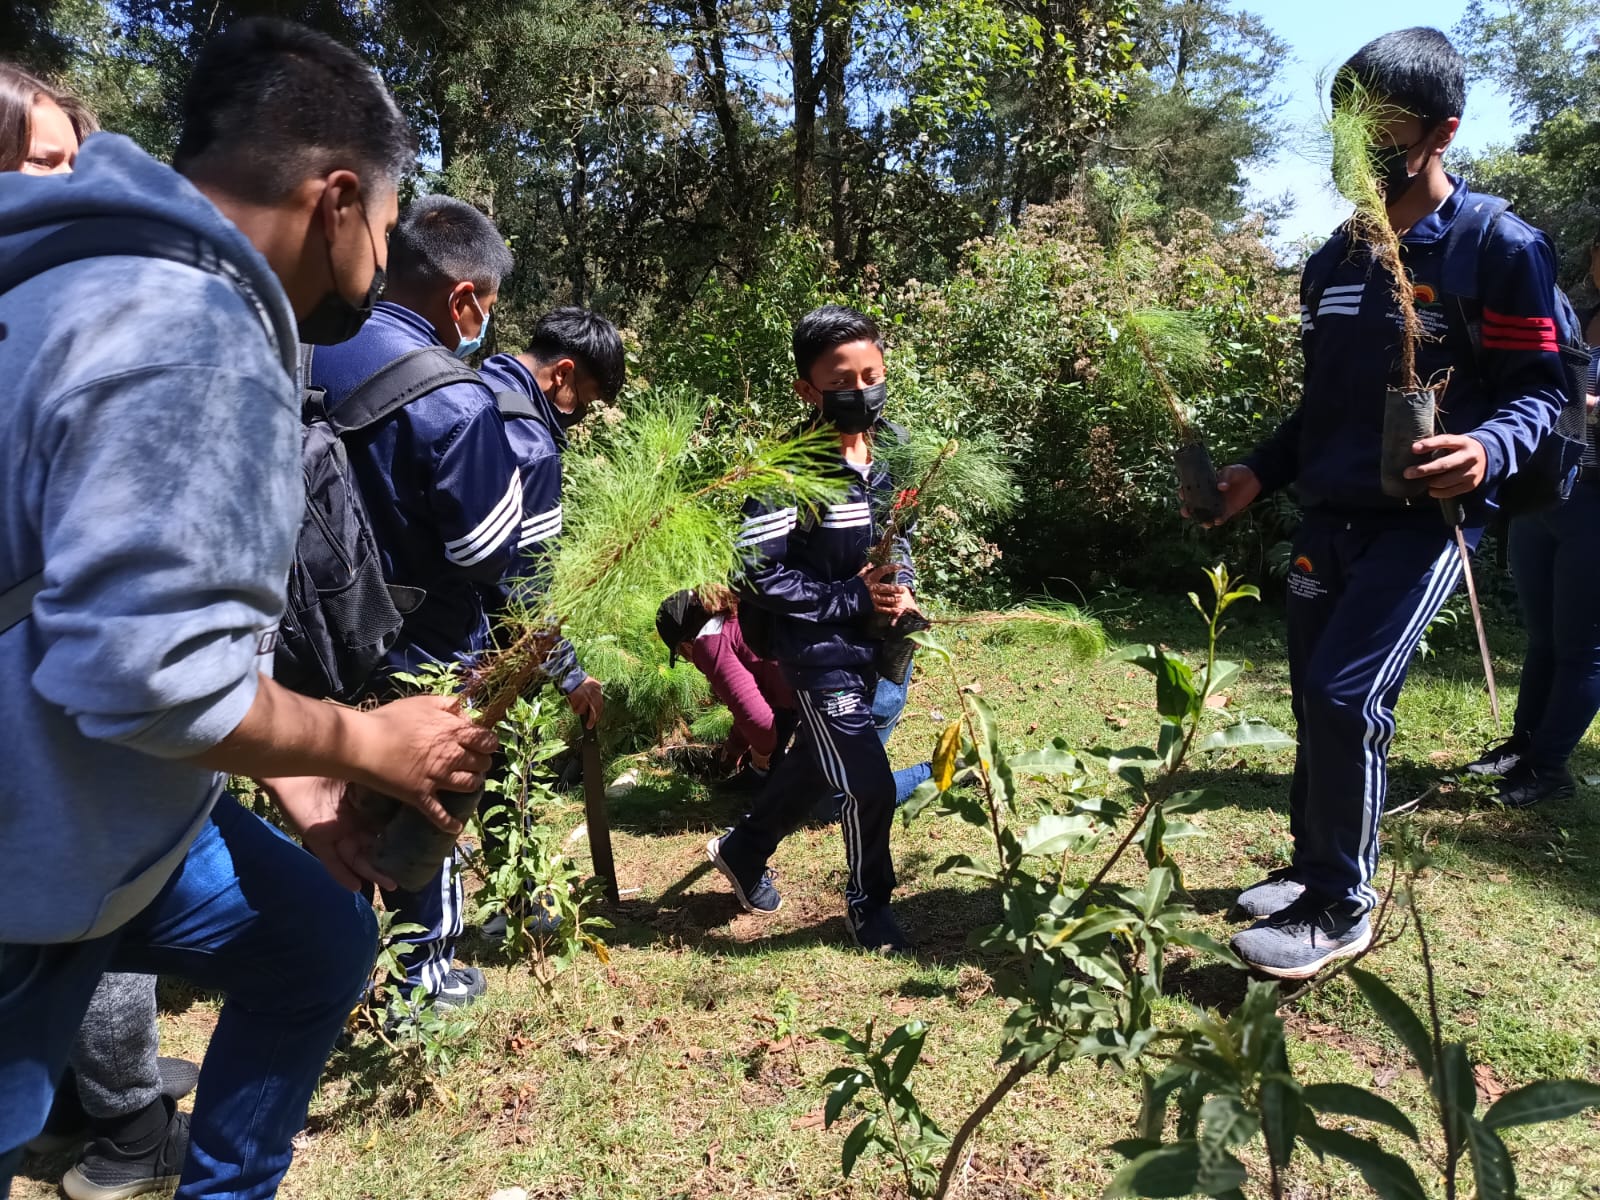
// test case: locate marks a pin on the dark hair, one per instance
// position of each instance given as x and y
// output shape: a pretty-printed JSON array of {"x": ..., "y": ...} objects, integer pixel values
[
  {"x": 821, "y": 329},
  {"x": 19, "y": 92},
  {"x": 271, "y": 104},
  {"x": 588, "y": 339},
  {"x": 1416, "y": 69},
  {"x": 84, "y": 122},
  {"x": 441, "y": 241}
]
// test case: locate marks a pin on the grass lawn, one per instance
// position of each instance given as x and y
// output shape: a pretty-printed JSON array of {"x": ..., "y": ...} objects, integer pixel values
[{"x": 662, "y": 1073}]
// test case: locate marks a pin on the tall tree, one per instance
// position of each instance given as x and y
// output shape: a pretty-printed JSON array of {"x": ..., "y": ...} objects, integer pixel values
[{"x": 1544, "y": 55}]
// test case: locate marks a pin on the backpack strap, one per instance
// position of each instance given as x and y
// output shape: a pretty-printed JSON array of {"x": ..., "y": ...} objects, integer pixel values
[
  {"x": 394, "y": 385},
  {"x": 516, "y": 406},
  {"x": 1464, "y": 244},
  {"x": 16, "y": 603}
]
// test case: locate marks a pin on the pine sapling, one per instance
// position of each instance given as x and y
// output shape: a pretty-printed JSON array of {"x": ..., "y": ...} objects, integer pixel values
[{"x": 652, "y": 520}]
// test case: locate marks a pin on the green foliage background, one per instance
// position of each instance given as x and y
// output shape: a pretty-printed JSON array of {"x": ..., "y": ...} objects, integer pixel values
[{"x": 1011, "y": 190}]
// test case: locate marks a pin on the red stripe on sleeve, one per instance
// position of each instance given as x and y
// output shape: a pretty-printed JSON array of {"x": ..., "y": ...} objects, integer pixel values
[
  {"x": 1537, "y": 345},
  {"x": 1508, "y": 324}
]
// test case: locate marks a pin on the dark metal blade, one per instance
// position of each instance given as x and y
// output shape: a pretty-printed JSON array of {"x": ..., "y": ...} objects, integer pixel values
[{"x": 596, "y": 817}]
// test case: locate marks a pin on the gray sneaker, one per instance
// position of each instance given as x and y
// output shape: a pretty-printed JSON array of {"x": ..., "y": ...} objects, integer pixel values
[
  {"x": 1302, "y": 939},
  {"x": 1272, "y": 895}
]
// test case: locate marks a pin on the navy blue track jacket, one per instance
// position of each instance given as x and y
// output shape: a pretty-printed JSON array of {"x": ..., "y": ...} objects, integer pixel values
[
  {"x": 803, "y": 569},
  {"x": 537, "y": 444},
  {"x": 441, "y": 485},
  {"x": 1506, "y": 394}
]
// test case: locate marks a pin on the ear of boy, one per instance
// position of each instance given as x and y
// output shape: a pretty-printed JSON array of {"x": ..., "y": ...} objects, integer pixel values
[{"x": 1426, "y": 161}]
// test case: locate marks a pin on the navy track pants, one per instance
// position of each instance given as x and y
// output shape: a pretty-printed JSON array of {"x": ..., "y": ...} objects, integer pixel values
[
  {"x": 1361, "y": 595},
  {"x": 439, "y": 909},
  {"x": 1555, "y": 558},
  {"x": 837, "y": 749}
]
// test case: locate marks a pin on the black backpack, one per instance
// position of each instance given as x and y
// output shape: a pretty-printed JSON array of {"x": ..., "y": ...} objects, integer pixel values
[
  {"x": 121, "y": 237},
  {"x": 1546, "y": 479},
  {"x": 342, "y": 617}
]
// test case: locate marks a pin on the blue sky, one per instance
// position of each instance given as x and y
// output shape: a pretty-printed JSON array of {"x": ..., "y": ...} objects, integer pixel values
[{"x": 1321, "y": 35}]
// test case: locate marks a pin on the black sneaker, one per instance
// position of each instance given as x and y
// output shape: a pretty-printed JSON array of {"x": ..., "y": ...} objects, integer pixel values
[
  {"x": 460, "y": 988},
  {"x": 109, "y": 1171},
  {"x": 1526, "y": 786},
  {"x": 754, "y": 891},
  {"x": 876, "y": 930},
  {"x": 1302, "y": 939},
  {"x": 68, "y": 1125},
  {"x": 1500, "y": 758}
]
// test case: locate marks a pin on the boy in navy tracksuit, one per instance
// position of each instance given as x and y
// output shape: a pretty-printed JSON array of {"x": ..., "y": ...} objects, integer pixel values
[
  {"x": 1370, "y": 572},
  {"x": 808, "y": 576},
  {"x": 574, "y": 359},
  {"x": 1555, "y": 560},
  {"x": 442, "y": 488}
]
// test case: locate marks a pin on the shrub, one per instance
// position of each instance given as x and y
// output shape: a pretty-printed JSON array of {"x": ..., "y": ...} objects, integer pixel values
[{"x": 1027, "y": 344}]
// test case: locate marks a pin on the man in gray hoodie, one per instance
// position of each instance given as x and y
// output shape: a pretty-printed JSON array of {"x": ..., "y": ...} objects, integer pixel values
[{"x": 150, "y": 496}]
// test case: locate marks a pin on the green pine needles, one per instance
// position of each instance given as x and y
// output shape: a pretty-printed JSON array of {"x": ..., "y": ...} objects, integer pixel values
[
  {"x": 1043, "y": 622},
  {"x": 655, "y": 518},
  {"x": 1354, "y": 128}
]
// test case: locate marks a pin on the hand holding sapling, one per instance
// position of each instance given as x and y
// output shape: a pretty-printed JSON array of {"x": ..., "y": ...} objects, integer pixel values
[
  {"x": 892, "y": 599},
  {"x": 1459, "y": 465},
  {"x": 1239, "y": 488},
  {"x": 416, "y": 748},
  {"x": 335, "y": 830}
]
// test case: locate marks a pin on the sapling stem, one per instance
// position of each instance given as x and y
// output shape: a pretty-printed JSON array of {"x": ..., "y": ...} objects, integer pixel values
[
  {"x": 1452, "y": 1150},
  {"x": 952, "y": 1160}
]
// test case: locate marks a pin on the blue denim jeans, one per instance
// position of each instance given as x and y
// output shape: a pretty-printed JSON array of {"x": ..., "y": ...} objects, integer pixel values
[
  {"x": 888, "y": 705},
  {"x": 1555, "y": 558},
  {"x": 248, "y": 914}
]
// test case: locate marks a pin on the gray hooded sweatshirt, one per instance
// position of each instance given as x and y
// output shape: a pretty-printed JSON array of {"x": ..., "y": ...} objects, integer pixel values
[{"x": 149, "y": 464}]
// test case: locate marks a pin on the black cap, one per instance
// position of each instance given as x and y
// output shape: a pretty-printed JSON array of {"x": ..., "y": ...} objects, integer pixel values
[{"x": 680, "y": 617}]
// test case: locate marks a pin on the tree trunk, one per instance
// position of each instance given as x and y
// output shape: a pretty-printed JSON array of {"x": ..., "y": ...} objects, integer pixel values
[
  {"x": 807, "y": 94},
  {"x": 713, "y": 65},
  {"x": 836, "y": 39},
  {"x": 578, "y": 266}
]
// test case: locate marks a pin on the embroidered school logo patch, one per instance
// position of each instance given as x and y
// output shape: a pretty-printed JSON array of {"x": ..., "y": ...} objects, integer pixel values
[
  {"x": 841, "y": 704},
  {"x": 1425, "y": 294},
  {"x": 1303, "y": 581}
]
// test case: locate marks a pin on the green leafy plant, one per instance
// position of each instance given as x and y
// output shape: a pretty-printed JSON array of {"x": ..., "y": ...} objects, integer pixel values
[
  {"x": 655, "y": 519},
  {"x": 422, "y": 1038},
  {"x": 1232, "y": 1085},
  {"x": 895, "y": 1125},
  {"x": 525, "y": 873},
  {"x": 1082, "y": 959}
]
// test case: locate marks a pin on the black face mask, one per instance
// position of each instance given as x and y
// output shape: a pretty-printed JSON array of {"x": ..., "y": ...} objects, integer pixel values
[
  {"x": 856, "y": 410},
  {"x": 568, "y": 419},
  {"x": 335, "y": 319},
  {"x": 1393, "y": 177}
]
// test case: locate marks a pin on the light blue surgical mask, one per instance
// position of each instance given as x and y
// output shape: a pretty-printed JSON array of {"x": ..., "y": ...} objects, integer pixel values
[{"x": 467, "y": 347}]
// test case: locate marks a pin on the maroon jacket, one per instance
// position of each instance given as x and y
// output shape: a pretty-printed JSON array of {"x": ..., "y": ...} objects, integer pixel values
[{"x": 751, "y": 686}]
